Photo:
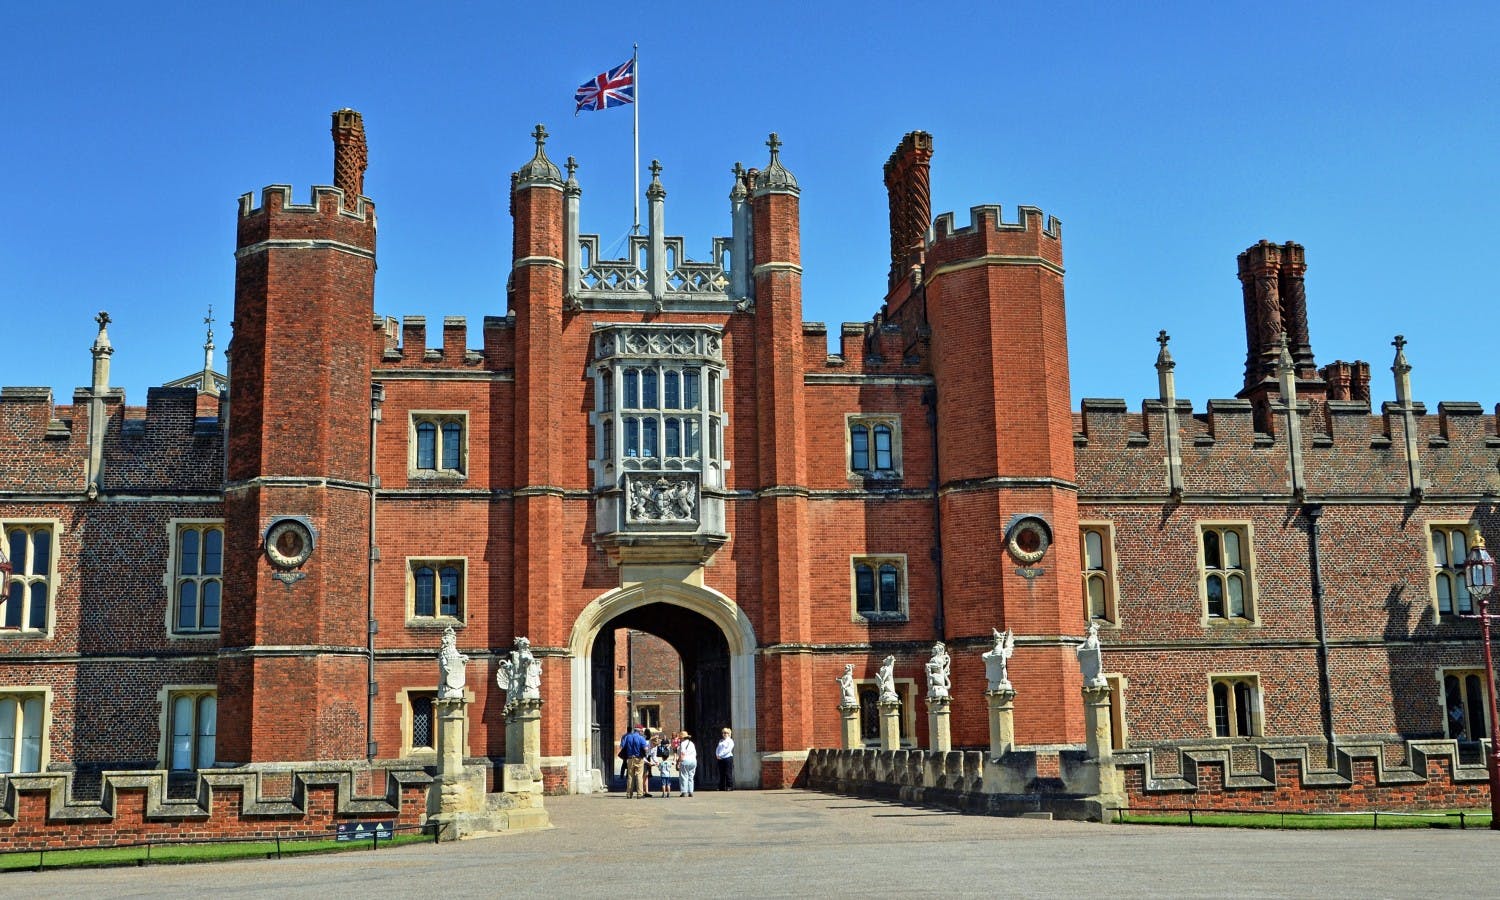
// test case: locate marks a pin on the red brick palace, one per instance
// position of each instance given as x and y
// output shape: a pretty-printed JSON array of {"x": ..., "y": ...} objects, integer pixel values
[{"x": 258, "y": 569}]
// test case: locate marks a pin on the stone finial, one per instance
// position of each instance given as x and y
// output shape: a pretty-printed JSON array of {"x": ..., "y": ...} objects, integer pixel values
[
  {"x": 738, "y": 192},
  {"x": 655, "y": 190},
  {"x": 774, "y": 178},
  {"x": 101, "y": 340},
  {"x": 1402, "y": 370},
  {"x": 1164, "y": 361},
  {"x": 351, "y": 155},
  {"x": 540, "y": 169},
  {"x": 1283, "y": 356}
]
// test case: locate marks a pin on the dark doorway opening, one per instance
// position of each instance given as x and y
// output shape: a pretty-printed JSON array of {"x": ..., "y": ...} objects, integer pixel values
[{"x": 705, "y": 698}]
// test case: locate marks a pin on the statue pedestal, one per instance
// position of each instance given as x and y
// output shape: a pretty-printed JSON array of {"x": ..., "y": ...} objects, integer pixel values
[
  {"x": 453, "y": 791},
  {"x": 523, "y": 747},
  {"x": 850, "y": 723},
  {"x": 938, "y": 736},
  {"x": 1002, "y": 721},
  {"x": 890, "y": 724},
  {"x": 1096, "y": 721}
]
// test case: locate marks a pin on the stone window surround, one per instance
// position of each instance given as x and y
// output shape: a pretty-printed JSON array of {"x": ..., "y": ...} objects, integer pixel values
[
  {"x": 56, "y": 526},
  {"x": 906, "y": 689},
  {"x": 1442, "y": 697},
  {"x": 1246, "y": 530},
  {"x": 22, "y": 693},
  {"x": 1257, "y": 710},
  {"x": 164, "y": 698},
  {"x": 438, "y": 417},
  {"x": 437, "y": 620},
  {"x": 875, "y": 561},
  {"x": 426, "y": 755},
  {"x": 1109, "y": 574},
  {"x": 169, "y": 579},
  {"x": 870, "y": 420},
  {"x": 1468, "y": 526}
]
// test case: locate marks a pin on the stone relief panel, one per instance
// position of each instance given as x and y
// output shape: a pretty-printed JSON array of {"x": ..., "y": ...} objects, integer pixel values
[{"x": 661, "y": 500}]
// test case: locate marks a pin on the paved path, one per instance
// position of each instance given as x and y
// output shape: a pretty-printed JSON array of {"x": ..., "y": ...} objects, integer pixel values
[{"x": 802, "y": 844}]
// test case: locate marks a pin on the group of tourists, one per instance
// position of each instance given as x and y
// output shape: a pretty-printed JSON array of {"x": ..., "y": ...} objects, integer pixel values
[{"x": 649, "y": 753}]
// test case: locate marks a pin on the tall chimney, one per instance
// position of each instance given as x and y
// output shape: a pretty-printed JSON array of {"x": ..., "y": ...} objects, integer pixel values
[
  {"x": 350, "y": 155},
  {"x": 908, "y": 183}
]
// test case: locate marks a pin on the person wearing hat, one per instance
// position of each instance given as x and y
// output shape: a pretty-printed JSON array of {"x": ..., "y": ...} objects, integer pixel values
[{"x": 687, "y": 764}]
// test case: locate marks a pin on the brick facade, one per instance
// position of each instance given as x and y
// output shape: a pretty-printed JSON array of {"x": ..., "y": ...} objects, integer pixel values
[{"x": 556, "y": 532}]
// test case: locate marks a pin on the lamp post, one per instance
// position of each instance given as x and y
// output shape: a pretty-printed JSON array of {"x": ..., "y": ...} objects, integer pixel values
[{"x": 1479, "y": 575}]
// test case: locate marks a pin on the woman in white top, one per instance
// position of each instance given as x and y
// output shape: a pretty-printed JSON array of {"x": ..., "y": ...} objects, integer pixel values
[
  {"x": 687, "y": 764},
  {"x": 724, "y": 753}
]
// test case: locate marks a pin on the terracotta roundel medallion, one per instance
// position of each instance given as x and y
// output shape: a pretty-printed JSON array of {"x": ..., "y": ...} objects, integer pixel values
[{"x": 289, "y": 543}]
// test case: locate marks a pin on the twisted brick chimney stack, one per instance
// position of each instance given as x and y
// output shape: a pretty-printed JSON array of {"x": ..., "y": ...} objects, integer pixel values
[
  {"x": 908, "y": 183},
  {"x": 350, "y": 155}
]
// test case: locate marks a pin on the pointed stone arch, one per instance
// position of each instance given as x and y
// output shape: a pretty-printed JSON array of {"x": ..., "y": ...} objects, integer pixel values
[{"x": 721, "y": 612}]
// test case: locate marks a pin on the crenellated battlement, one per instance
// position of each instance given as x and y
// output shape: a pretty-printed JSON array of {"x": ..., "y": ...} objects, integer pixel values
[
  {"x": 991, "y": 217},
  {"x": 404, "y": 344},
  {"x": 1343, "y": 447},
  {"x": 326, "y": 201}
]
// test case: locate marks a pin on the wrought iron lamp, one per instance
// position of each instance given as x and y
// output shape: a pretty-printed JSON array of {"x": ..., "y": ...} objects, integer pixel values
[{"x": 1479, "y": 577}]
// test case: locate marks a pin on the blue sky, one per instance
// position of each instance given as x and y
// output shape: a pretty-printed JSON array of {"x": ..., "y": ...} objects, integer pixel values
[{"x": 1167, "y": 138}]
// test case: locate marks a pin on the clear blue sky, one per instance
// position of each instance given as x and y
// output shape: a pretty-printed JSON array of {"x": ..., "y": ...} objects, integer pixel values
[{"x": 1166, "y": 137}]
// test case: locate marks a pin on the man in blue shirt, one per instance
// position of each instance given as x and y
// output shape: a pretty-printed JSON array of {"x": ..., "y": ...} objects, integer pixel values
[{"x": 633, "y": 751}]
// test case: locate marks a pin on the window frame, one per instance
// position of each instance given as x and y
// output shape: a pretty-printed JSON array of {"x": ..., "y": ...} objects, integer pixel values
[
  {"x": 1456, "y": 572},
  {"x": 403, "y": 698},
  {"x": 50, "y": 578},
  {"x": 1231, "y": 680},
  {"x": 1463, "y": 673},
  {"x": 439, "y": 419},
  {"x": 170, "y": 578},
  {"x": 632, "y": 434},
  {"x": 906, "y": 689},
  {"x": 1246, "y": 533},
  {"x": 166, "y": 699},
  {"x": 21, "y": 694},
  {"x": 437, "y": 619},
  {"x": 903, "y": 588},
  {"x": 1106, "y": 574},
  {"x": 638, "y": 710},
  {"x": 872, "y": 469}
]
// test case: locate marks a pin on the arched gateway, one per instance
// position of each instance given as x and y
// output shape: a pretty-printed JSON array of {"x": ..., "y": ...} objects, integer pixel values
[{"x": 714, "y": 638}]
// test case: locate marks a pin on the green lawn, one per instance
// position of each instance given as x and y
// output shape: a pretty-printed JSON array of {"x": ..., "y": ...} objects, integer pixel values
[
  {"x": 1323, "y": 821},
  {"x": 186, "y": 853}
]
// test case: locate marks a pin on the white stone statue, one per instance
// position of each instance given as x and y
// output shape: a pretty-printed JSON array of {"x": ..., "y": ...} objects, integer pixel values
[
  {"x": 996, "y": 661},
  {"x": 452, "y": 676},
  {"x": 885, "y": 680},
  {"x": 1091, "y": 659},
  {"x": 938, "y": 674},
  {"x": 847, "y": 696},
  {"x": 520, "y": 677}
]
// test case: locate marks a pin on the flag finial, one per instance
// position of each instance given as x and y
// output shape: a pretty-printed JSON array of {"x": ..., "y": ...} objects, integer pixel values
[
  {"x": 541, "y": 136},
  {"x": 775, "y": 144}
]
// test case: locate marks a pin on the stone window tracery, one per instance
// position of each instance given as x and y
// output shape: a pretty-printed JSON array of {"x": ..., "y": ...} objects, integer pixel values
[
  {"x": 1236, "y": 705},
  {"x": 438, "y": 446},
  {"x": 880, "y": 588},
  {"x": 1225, "y": 562},
  {"x": 1097, "y": 554},
  {"x": 1450, "y": 546},
  {"x": 29, "y": 589},
  {"x": 23, "y": 721},
  {"x": 435, "y": 591},
  {"x": 198, "y": 578},
  {"x": 874, "y": 443}
]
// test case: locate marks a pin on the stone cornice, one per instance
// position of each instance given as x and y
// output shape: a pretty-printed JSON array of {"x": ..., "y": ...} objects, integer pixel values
[{"x": 292, "y": 244}]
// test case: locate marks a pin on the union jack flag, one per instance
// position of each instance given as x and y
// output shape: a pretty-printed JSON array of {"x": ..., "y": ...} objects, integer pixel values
[{"x": 613, "y": 88}]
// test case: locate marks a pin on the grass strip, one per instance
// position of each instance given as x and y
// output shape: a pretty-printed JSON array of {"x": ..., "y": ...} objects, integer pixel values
[
  {"x": 1312, "y": 821},
  {"x": 167, "y": 854}
]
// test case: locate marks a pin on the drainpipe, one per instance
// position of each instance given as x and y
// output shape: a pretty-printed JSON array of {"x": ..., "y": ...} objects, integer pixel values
[
  {"x": 377, "y": 397},
  {"x": 939, "y": 622},
  {"x": 1314, "y": 512}
]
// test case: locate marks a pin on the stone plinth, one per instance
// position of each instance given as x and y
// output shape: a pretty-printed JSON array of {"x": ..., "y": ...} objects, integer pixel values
[
  {"x": 455, "y": 789},
  {"x": 1096, "y": 721},
  {"x": 938, "y": 734},
  {"x": 523, "y": 747},
  {"x": 850, "y": 724},
  {"x": 1002, "y": 721},
  {"x": 890, "y": 724}
]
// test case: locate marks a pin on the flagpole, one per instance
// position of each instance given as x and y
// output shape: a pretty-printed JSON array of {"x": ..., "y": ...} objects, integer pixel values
[{"x": 635, "y": 67}]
